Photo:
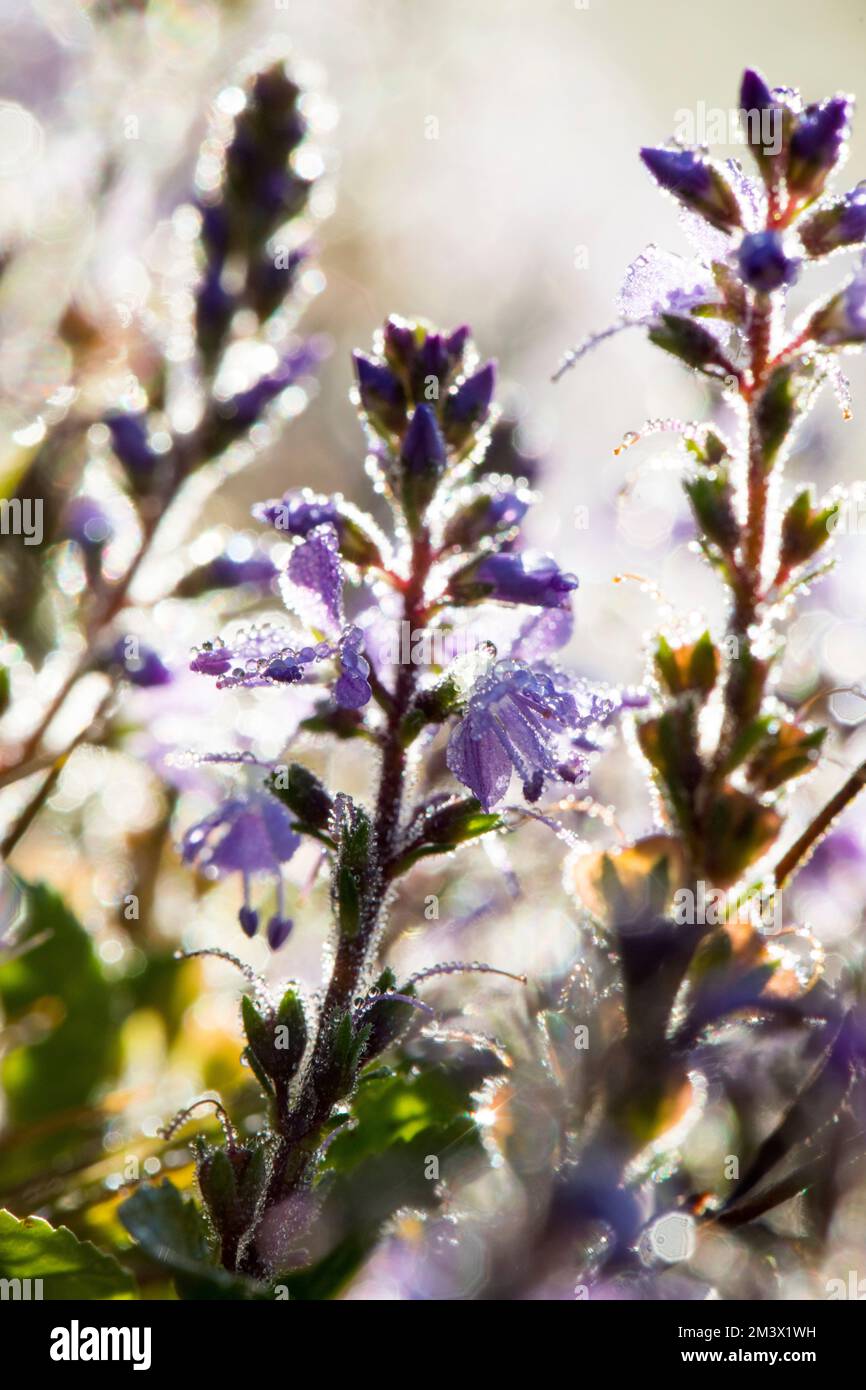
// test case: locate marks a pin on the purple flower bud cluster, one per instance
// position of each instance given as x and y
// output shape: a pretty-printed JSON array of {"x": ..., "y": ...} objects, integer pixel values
[
  {"x": 260, "y": 191},
  {"x": 428, "y": 411},
  {"x": 427, "y": 406},
  {"x": 753, "y": 235},
  {"x": 245, "y": 267}
]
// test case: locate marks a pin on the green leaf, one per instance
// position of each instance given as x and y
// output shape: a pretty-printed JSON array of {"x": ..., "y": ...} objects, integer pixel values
[
  {"x": 689, "y": 669},
  {"x": 63, "y": 976},
  {"x": 172, "y": 1231},
  {"x": 305, "y": 796},
  {"x": 400, "y": 1110},
  {"x": 68, "y": 1267},
  {"x": 805, "y": 529},
  {"x": 439, "y": 829},
  {"x": 775, "y": 412},
  {"x": 694, "y": 345},
  {"x": 712, "y": 500}
]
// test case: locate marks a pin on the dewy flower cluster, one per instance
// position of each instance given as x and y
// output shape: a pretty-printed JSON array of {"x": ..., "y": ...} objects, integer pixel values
[{"x": 455, "y": 545}]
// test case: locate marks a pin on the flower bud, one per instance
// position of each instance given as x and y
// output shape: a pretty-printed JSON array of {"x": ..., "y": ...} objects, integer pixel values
[
  {"x": 804, "y": 530},
  {"x": 467, "y": 407},
  {"x": 816, "y": 145},
  {"x": 423, "y": 460},
  {"x": 382, "y": 397},
  {"x": 697, "y": 184},
  {"x": 303, "y": 794},
  {"x": 776, "y": 411},
  {"x": 841, "y": 322},
  {"x": 763, "y": 263},
  {"x": 129, "y": 440},
  {"x": 767, "y": 125},
  {"x": 487, "y": 515},
  {"x": 525, "y": 577},
  {"x": 842, "y": 223},
  {"x": 142, "y": 666}
]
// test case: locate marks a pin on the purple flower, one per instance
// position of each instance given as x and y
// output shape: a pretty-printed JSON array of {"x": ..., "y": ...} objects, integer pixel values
[
  {"x": 656, "y": 283},
  {"x": 141, "y": 664},
  {"x": 543, "y": 633},
  {"x": 352, "y": 690},
  {"x": 506, "y": 577},
  {"x": 511, "y": 724},
  {"x": 313, "y": 583},
  {"x": 85, "y": 522},
  {"x": 533, "y": 720},
  {"x": 227, "y": 572},
  {"x": 252, "y": 835},
  {"x": 696, "y": 183},
  {"x": 816, "y": 145},
  {"x": 763, "y": 263},
  {"x": 300, "y": 510},
  {"x": 265, "y": 655}
]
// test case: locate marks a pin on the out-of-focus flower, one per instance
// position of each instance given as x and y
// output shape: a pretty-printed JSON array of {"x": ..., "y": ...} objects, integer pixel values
[
  {"x": 129, "y": 439},
  {"x": 226, "y": 572},
  {"x": 85, "y": 521},
  {"x": 141, "y": 665}
]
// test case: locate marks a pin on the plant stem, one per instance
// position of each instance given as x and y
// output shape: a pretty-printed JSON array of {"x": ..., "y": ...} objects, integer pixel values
[
  {"x": 104, "y": 612},
  {"x": 299, "y": 1124},
  {"x": 798, "y": 851}
]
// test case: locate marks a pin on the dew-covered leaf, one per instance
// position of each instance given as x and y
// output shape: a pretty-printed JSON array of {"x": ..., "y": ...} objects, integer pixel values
[
  {"x": 69, "y": 1268},
  {"x": 171, "y": 1229}
]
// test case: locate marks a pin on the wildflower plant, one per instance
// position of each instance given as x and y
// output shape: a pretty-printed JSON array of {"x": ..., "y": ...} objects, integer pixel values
[
  {"x": 707, "y": 960},
  {"x": 427, "y": 408}
]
